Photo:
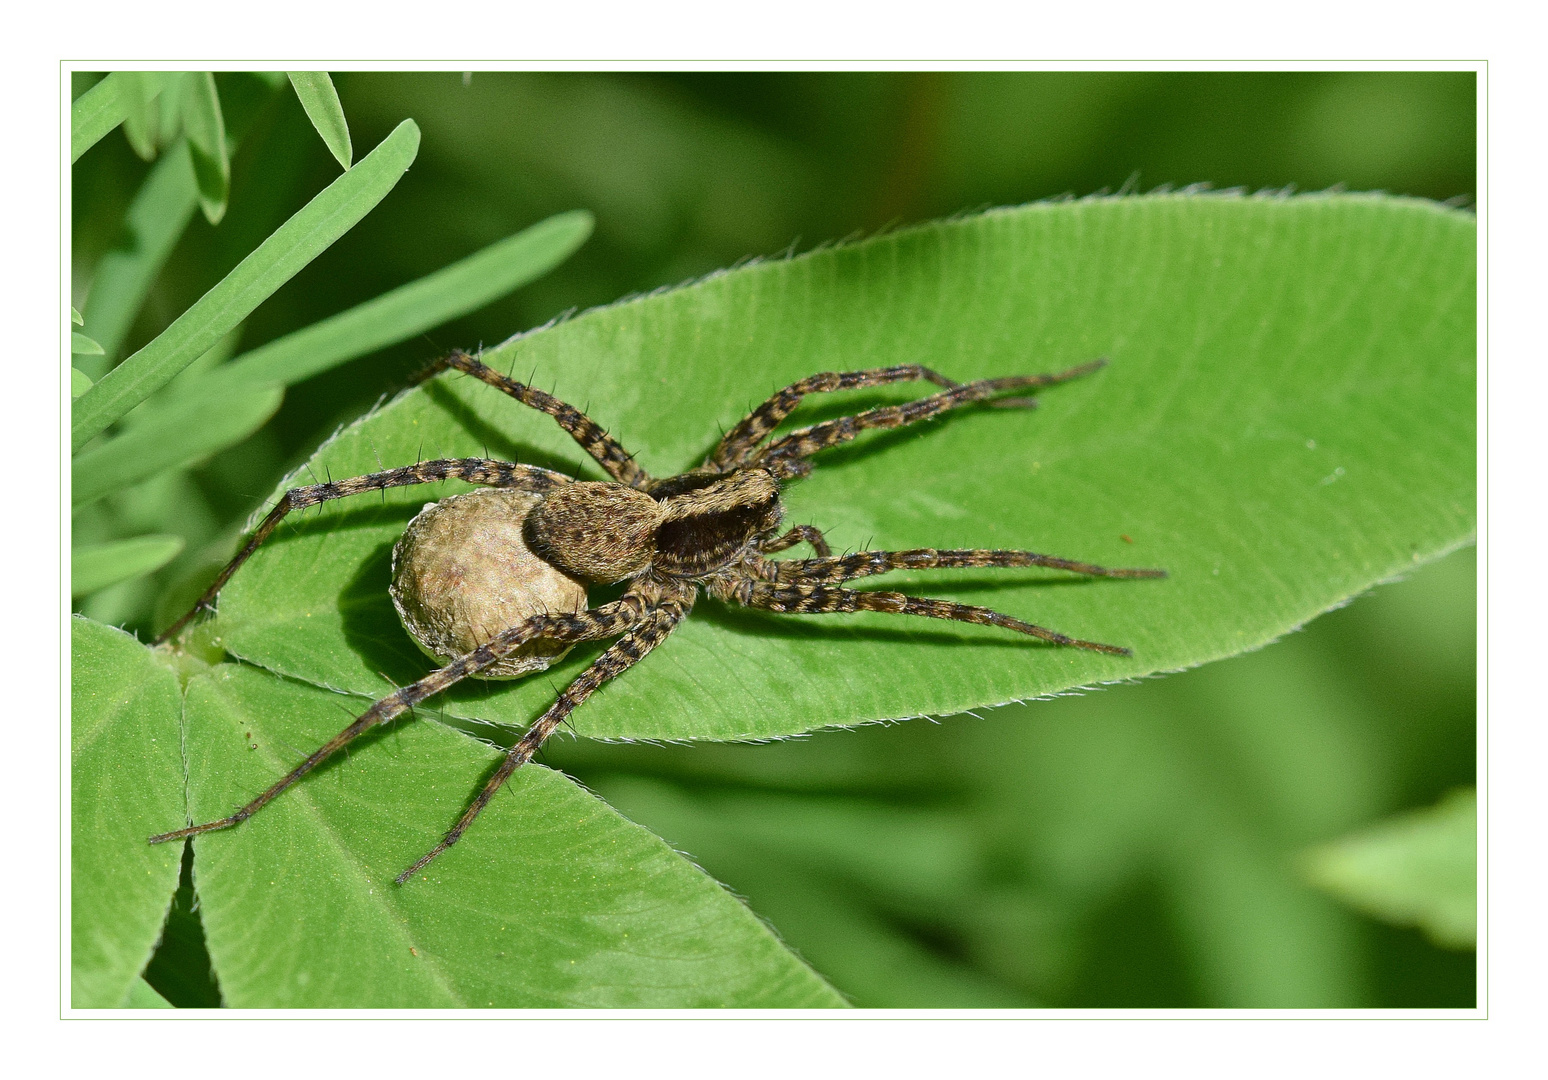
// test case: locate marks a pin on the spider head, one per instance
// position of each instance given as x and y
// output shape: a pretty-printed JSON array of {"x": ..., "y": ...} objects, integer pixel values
[{"x": 709, "y": 519}]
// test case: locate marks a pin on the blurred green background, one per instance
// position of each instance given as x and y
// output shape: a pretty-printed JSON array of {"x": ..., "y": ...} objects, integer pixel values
[{"x": 1139, "y": 846}]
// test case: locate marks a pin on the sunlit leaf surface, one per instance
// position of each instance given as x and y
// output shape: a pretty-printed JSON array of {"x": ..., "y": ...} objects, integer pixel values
[
  {"x": 1287, "y": 419},
  {"x": 126, "y": 781},
  {"x": 554, "y": 900}
]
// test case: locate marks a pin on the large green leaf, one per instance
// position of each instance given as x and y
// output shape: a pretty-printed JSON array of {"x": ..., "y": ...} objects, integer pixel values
[
  {"x": 126, "y": 781},
  {"x": 143, "y": 996},
  {"x": 1129, "y": 848},
  {"x": 562, "y": 901},
  {"x": 1287, "y": 419}
]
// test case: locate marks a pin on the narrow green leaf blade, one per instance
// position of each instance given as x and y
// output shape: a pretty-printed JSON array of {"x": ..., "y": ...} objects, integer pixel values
[
  {"x": 75, "y": 317},
  {"x": 156, "y": 219},
  {"x": 1417, "y": 869},
  {"x": 96, "y": 566},
  {"x": 1287, "y": 420},
  {"x": 450, "y": 292},
  {"x": 321, "y": 102},
  {"x": 177, "y": 435},
  {"x": 81, "y": 345},
  {"x": 172, "y": 102},
  {"x": 333, "y": 212},
  {"x": 105, "y": 106},
  {"x": 80, "y": 382},
  {"x": 142, "y": 113},
  {"x": 126, "y": 781},
  {"x": 559, "y": 902},
  {"x": 206, "y": 129}
]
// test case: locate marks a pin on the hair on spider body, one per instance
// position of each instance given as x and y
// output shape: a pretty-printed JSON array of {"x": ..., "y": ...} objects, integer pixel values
[{"x": 492, "y": 583}]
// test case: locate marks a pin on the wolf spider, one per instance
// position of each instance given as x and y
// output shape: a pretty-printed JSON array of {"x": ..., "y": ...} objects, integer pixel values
[{"x": 709, "y": 528}]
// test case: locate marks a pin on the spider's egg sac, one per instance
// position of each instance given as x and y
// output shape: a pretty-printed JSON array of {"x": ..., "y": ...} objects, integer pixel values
[{"x": 462, "y": 574}]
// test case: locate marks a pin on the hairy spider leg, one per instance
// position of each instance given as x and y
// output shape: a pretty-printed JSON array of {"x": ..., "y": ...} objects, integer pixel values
[
  {"x": 785, "y": 456},
  {"x": 603, "y": 621},
  {"x": 490, "y": 472},
  {"x": 809, "y": 533},
  {"x": 829, "y": 599},
  {"x": 607, "y": 451},
  {"x": 658, "y": 621},
  {"x": 737, "y": 445},
  {"x": 831, "y": 571}
]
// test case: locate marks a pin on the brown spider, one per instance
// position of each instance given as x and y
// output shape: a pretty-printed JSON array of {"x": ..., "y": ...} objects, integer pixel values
[{"x": 708, "y": 528}]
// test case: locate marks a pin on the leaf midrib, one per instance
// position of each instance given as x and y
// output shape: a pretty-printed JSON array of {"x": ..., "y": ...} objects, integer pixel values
[{"x": 364, "y": 882}]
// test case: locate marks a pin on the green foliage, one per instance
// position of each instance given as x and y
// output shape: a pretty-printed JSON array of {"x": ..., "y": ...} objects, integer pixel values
[
  {"x": 1287, "y": 420},
  {"x": 1237, "y": 451},
  {"x": 1133, "y": 847},
  {"x": 321, "y": 102},
  {"x": 143, "y": 996},
  {"x": 206, "y": 129},
  {"x": 171, "y": 436},
  {"x": 408, "y": 310},
  {"x": 142, "y": 113},
  {"x": 126, "y": 778},
  {"x": 81, "y": 345},
  {"x": 122, "y": 96},
  {"x": 1418, "y": 869},
  {"x": 215, "y": 405},
  {"x": 96, "y": 566},
  {"x": 585, "y": 908},
  {"x": 327, "y": 217},
  {"x": 156, "y": 218}
]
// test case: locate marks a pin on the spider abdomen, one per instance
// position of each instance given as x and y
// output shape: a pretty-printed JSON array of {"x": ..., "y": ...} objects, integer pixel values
[{"x": 462, "y": 573}]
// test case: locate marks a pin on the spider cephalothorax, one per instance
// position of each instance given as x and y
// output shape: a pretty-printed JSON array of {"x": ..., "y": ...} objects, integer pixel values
[{"x": 493, "y": 583}]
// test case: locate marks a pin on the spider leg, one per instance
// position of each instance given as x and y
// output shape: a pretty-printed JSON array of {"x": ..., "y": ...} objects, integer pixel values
[
  {"x": 490, "y": 472},
  {"x": 607, "y": 451},
  {"x": 808, "y": 533},
  {"x": 654, "y": 625},
  {"x": 830, "y": 571},
  {"x": 825, "y": 599},
  {"x": 784, "y": 456},
  {"x": 738, "y": 444},
  {"x": 602, "y": 621}
]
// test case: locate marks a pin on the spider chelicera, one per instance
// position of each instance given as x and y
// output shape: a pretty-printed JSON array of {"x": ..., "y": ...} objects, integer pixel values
[{"x": 551, "y": 536}]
